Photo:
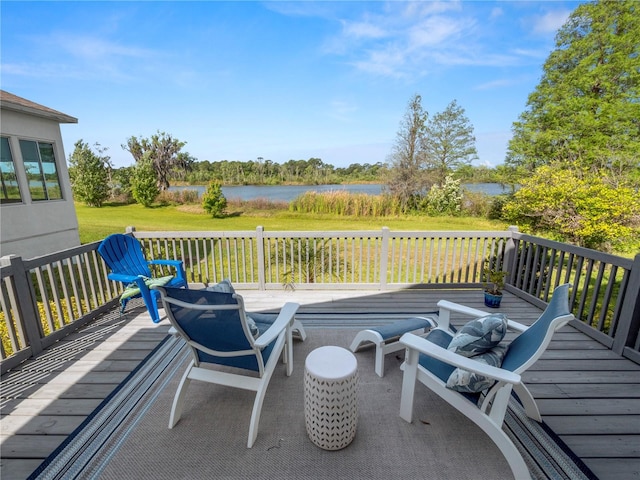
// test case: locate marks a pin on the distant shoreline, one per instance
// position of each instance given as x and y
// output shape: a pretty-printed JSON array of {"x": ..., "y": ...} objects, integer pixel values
[{"x": 290, "y": 192}]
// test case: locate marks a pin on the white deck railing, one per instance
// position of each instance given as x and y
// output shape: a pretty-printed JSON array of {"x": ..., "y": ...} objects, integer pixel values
[{"x": 41, "y": 299}]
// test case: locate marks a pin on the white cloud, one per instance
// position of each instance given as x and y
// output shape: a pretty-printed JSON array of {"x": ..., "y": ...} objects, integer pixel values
[
  {"x": 550, "y": 22},
  {"x": 496, "y": 12},
  {"x": 364, "y": 30},
  {"x": 342, "y": 110},
  {"x": 436, "y": 31},
  {"x": 93, "y": 48},
  {"x": 405, "y": 40}
]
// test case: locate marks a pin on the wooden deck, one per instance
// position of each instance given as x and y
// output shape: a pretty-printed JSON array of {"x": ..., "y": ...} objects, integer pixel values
[{"x": 587, "y": 394}]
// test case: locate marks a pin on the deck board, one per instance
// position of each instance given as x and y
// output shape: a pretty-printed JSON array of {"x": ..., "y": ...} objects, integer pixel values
[{"x": 587, "y": 394}]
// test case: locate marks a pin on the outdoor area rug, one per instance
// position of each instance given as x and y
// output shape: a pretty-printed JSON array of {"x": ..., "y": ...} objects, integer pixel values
[{"x": 127, "y": 437}]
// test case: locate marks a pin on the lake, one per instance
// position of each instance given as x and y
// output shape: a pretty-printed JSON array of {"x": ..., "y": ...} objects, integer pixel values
[{"x": 288, "y": 193}]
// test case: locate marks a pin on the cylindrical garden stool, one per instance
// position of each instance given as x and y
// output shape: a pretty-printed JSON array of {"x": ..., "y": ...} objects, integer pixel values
[{"x": 330, "y": 397}]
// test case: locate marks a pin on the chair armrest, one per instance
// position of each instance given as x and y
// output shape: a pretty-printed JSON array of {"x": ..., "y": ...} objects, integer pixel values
[
  {"x": 177, "y": 264},
  {"x": 422, "y": 345},
  {"x": 174, "y": 263},
  {"x": 284, "y": 319},
  {"x": 121, "y": 277},
  {"x": 456, "y": 307},
  {"x": 474, "y": 312},
  {"x": 518, "y": 327}
]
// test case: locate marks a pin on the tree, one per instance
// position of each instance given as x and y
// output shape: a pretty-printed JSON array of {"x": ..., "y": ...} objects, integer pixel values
[
  {"x": 582, "y": 124},
  {"x": 121, "y": 180},
  {"x": 407, "y": 180},
  {"x": 214, "y": 201},
  {"x": 165, "y": 155},
  {"x": 586, "y": 110},
  {"x": 585, "y": 210},
  {"x": 89, "y": 173},
  {"x": 449, "y": 142},
  {"x": 144, "y": 184}
]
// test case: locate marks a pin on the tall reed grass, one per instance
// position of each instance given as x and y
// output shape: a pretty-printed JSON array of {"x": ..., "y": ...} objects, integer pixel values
[{"x": 343, "y": 203}]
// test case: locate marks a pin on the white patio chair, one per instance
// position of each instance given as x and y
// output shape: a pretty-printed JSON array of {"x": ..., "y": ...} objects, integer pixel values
[
  {"x": 430, "y": 362},
  {"x": 218, "y": 332}
]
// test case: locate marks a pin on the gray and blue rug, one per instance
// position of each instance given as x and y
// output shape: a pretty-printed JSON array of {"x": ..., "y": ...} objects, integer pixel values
[{"x": 127, "y": 436}]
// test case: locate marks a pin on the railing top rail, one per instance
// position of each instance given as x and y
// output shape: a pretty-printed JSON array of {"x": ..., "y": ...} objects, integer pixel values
[
  {"x": 451, "y": 233},
  {"x": 59, "y": 255},
  {"x": 323, "y": 233},
  {"x": 580, "y": 251},
  {"x": 196, "y": 233}
]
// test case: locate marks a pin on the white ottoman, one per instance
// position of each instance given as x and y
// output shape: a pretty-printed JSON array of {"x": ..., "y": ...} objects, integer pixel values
[{"x": 330, "y": 397}]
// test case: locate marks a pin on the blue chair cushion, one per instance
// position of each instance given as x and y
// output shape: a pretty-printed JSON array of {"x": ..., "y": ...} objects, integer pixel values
[
  {"x": 225, "y": 286},
  {"x": 399, "y": 327},
  {"x": 440, "y": 369},
  {"x": 470, "y": 382},
  {"x": 479, "y": 335}
]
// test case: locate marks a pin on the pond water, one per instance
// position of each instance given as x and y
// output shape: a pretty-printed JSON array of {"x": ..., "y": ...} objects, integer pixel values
[{"x": 288, "y": 193}]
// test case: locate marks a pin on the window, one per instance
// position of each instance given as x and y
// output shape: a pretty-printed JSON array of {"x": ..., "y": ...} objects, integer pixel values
[
  {"x": 9, "y": 183},
  {"x": 42, "y": 173}
]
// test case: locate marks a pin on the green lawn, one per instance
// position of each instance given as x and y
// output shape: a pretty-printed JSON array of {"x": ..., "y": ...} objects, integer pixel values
[{"x": 97, "y": 223}]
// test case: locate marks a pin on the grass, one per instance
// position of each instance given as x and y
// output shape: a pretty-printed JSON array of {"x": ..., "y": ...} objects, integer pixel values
[{"x": 96, "y": 223}]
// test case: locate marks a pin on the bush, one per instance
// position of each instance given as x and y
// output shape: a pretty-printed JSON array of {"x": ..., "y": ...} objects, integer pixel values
[
  {"x": 214, "y": 201},
  {"x": 445, "y": 199},
  {"x": 582, "y": 208},
  {"x": 144, "y": 184},
  {"x": 89, "y": 174},
  {"x": 476, "y": 204}
]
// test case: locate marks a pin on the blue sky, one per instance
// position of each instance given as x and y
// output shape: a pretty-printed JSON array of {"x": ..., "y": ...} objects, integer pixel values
[{"x": 278, "y": 80}]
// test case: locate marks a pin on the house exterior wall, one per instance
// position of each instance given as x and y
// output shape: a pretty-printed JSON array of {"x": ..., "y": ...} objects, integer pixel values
[{"x": 32, "y": 229}]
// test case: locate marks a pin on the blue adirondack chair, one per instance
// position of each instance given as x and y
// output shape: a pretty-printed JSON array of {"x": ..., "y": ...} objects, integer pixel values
[{"x": 123, "y": 254}]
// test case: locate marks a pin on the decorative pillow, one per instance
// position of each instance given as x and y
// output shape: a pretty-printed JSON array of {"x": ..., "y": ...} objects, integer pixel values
[
  {"x": 253, "y": 328},
  {"x": 479, "y": 335},
  {"x": 223, "y": 287},
  {"x": 471, "y": 382}
]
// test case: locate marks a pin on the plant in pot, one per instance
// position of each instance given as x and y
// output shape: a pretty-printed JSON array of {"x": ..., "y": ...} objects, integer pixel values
[{"x": 494, "y": 280}]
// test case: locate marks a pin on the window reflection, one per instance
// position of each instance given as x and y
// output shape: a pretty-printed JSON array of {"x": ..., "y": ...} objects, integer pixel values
[
  {"x": 10, "y": 190},
  {"x": 42, "y": 173}
]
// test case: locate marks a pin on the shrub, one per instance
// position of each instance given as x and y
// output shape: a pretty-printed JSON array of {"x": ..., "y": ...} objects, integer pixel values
[
  {"x": 144, "y": 184},
  {"x": 214, "y": 201},
  {"x": 445, "y": 199}
]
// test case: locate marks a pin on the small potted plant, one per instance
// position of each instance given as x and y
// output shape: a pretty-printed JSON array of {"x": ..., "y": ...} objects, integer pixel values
[{"x": 494, "y": 283}]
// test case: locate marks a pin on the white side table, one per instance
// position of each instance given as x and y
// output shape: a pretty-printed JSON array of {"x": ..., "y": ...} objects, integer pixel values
[{"x": 330, "y": 397}]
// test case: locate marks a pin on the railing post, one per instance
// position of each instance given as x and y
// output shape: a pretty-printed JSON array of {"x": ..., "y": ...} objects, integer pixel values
[
  {"x": 626, "y": 333},
  {"x": 26, "y": 304},
  {"x": 384, "y": 257},
  {"x": 510, "y": 254},
  {"x": 260, "y": 248}
]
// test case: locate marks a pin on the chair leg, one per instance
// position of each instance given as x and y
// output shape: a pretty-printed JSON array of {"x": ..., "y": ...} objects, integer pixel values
[
  {"x": 178, "y": 399},
  {"x": 503, "y": 442},
  {"x": 409, "y": 380},
  {"x": 297, "y": 327},
  {"x": 261, "y": 392},
  {"x": 255, "y": 413},
  {"x": 527, "y": 401},
  {"x": 149, "y": 300},
  {"x": 288, "y": 351}
]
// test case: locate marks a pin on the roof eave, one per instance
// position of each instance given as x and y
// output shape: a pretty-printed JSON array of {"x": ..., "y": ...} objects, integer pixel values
[{"x": 49, "y": 115}]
